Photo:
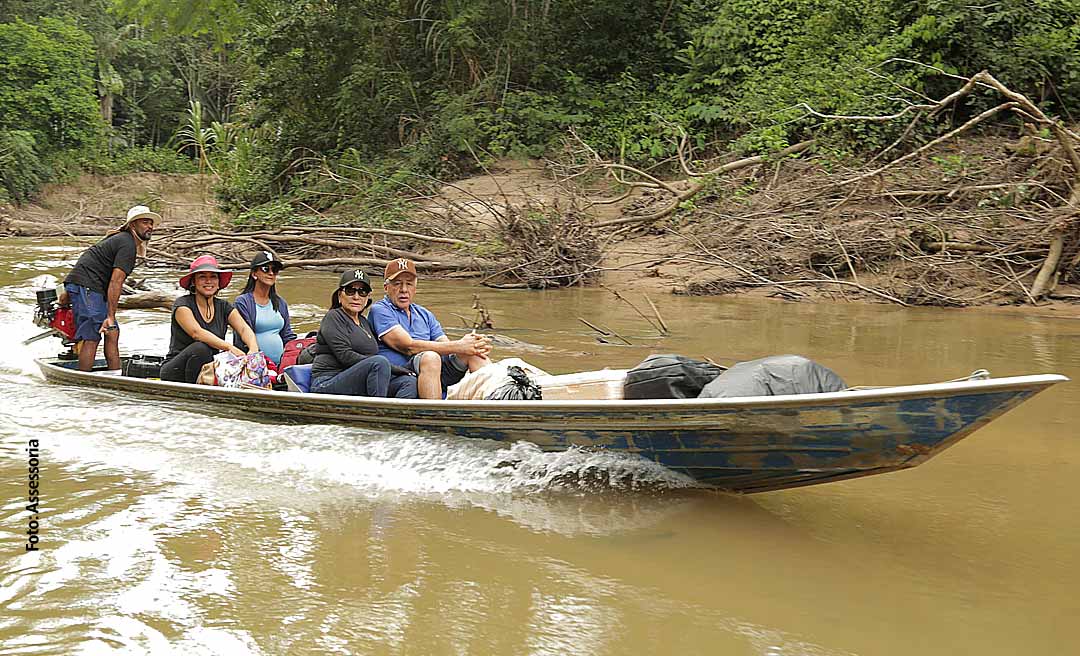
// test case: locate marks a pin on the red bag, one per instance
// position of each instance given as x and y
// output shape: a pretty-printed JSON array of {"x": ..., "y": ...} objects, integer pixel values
[{"x": 292, "y": 351}]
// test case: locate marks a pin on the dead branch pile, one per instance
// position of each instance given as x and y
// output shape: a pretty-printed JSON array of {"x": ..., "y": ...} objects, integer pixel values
[
  {"x": 954, "y": 228},
  {"x": 932, "y": 253},
  {"x": 323, "y": 246},
  {"x": 547, "y": 248}
]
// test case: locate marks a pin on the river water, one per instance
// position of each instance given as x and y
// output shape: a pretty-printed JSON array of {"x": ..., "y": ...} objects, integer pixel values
[{"x": 166, "y": 530}]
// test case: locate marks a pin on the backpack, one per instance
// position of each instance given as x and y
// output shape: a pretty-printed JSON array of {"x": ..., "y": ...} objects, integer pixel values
[{"x": 293, "y": 351}]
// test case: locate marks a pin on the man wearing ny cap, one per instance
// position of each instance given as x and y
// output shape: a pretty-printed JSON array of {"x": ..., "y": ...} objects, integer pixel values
[
  {"x": 93, "y": 287},
  {"x": 410, "y": 336}
]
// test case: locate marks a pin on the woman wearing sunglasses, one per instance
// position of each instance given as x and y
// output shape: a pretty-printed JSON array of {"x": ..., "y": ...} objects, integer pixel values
[
  {"x": 347, "y": 359},
  {"x": 262, "y": 308}
]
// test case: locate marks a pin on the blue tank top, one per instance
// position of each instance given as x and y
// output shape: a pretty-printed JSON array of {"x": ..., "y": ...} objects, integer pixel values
[{"x": 268, "y": 325}]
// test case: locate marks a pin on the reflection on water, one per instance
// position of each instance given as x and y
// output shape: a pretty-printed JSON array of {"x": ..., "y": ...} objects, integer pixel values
[{"x": 169, "y": 530}]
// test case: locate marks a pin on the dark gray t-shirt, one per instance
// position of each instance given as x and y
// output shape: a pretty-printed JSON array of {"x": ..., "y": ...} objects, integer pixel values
[
  {"x": 342, "y": 343},
  {"x": 95, "y": 266},
  {"x": 180, "y": 340}
]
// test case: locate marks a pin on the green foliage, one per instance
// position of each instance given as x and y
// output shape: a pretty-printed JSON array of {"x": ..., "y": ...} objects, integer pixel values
[
  {"x": 270, "y": 214},
  {"x": 750, "y": 63},
  {"x": 155, "y": 95},
  {"x": 198, "y": 138},
  {"x": 21, "y": 168},
  {"x": 248, "y": 174},
  {"x": 135, "y": 159},
  {"x": 224, "y": 20},
  {"x": 273, "y": 94},
  {"x": 1031, "y": 46},
  {"x": 48, "y": 85},
  {"x": 625, "y": 118}
]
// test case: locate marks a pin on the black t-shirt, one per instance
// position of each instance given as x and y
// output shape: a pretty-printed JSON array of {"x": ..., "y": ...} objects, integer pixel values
[
  {"x": 180, "y": 340},
  {"x": 342, "y": 343},
  {"x": 95, "y": 266}
]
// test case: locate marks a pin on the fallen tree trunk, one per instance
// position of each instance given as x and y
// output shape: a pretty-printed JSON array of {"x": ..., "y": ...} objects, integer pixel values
[
  {"x": 147, "y": 300},
  {"x": 425, "y": 265}
]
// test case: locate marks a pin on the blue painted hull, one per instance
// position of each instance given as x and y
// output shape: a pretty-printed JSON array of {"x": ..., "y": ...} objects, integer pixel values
[{"x": 745, "y": 445}]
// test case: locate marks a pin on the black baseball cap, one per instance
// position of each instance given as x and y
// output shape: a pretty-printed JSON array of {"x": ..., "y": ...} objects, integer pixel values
[
  {"x": 266, "y": 257},
  {"x": 354, "y": 276}
]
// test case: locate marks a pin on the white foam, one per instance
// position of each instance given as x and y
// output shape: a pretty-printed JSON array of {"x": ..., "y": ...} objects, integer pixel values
[{"x": 181, "y": 442}]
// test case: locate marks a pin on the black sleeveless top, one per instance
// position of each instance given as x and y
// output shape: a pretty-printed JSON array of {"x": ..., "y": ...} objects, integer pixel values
[{"x": 180, "y": 340}]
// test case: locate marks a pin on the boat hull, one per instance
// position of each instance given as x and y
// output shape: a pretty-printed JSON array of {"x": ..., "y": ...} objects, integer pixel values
[{"x": 744, "y": 445}]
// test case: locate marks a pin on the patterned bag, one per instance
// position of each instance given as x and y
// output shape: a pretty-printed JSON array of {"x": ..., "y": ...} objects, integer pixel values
[{"x": 245, "y": 371}]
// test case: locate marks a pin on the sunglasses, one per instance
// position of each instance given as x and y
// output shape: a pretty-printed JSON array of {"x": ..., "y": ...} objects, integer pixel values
[
  {"x": 355, "y": 291},
  {"x": 269, "y": 268}
]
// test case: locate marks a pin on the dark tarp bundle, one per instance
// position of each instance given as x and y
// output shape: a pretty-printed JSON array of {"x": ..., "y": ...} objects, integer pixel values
[
  {"x": 773, "y": 376},
  {"x": 669, "y": 377},
  {"x": 519, "y": 388}
]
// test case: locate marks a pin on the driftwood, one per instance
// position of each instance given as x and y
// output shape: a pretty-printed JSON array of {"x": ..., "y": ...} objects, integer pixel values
[
  {"x": 998, "y": 222},
  {"x": 147, "y": 300},
  {"x": 682, "y": 190},
  {"x": 483, "y": 319},
  {"x": 664, "y": 330},
  {"x": 295, "y": 246},
  {"x": 423, "y": 265},
  {"x": 549, "y": 248},
  {"x": 657, "y": 324},
  {"x": 1016, "y": 103},
  {"x": 1045, "y": 281},
  {"x": 605, "y": 332}
]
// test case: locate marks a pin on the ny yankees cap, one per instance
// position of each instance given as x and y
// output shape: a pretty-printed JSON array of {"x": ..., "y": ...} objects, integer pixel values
[
  {"x": 395, "y": 268},
  {"x": 354, "y": 276}
]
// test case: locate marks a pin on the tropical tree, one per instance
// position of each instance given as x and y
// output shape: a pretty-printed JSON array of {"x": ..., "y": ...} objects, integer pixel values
[
  {"x": 195, "y": 136},
  {"x": 48, "y": 84},
  {"x": 108, "y": 44}
]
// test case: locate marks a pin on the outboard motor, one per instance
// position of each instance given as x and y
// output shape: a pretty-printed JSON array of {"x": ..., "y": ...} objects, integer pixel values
[{"x": 59, "y": 321}]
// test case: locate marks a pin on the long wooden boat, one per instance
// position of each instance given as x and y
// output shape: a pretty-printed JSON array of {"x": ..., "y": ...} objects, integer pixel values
[{"x": 751, "y": 444}]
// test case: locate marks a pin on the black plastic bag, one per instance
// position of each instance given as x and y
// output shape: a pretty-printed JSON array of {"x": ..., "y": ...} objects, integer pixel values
[
  {"x": 519, "y": 388},
  {"x": 669, "y": 377}
]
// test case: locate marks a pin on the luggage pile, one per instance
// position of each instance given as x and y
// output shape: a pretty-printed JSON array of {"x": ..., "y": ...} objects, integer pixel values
[
  {"x": 678, "y": 377},
  {"x": 656, "y": 377}
]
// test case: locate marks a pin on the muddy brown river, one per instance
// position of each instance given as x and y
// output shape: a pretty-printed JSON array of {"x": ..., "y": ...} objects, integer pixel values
[{"x": 163, "y": 529}]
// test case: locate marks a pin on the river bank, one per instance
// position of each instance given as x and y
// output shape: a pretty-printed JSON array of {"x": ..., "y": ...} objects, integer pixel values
[{"x": 768, "y": 230}]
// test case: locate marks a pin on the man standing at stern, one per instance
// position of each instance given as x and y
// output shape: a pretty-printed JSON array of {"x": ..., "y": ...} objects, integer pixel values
[
  {"x": 93, "y": 287},
  {"x": 410, "y": 336}
]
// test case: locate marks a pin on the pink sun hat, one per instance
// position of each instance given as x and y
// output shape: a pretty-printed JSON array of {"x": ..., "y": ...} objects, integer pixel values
[{"x": 207, "y": 263}]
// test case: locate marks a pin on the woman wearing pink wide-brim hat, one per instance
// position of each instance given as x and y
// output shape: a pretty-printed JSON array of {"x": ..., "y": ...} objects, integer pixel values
[{"x": 199, "y": 322}]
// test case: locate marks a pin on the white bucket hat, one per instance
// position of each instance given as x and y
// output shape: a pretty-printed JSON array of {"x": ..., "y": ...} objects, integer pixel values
[{"x": 140, "y": 212}]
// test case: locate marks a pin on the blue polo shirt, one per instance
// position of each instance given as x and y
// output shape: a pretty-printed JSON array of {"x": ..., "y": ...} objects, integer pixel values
[{"x": 384, "y": 315}]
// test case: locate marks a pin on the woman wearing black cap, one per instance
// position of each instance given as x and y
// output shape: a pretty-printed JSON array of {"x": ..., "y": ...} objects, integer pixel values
[
  {"x": 347, "y": 359},
  {"x": 262, "y": 308}
]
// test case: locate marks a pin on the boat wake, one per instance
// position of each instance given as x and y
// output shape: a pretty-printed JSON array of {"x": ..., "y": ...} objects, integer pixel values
[{"x": 180, "y": 441}]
